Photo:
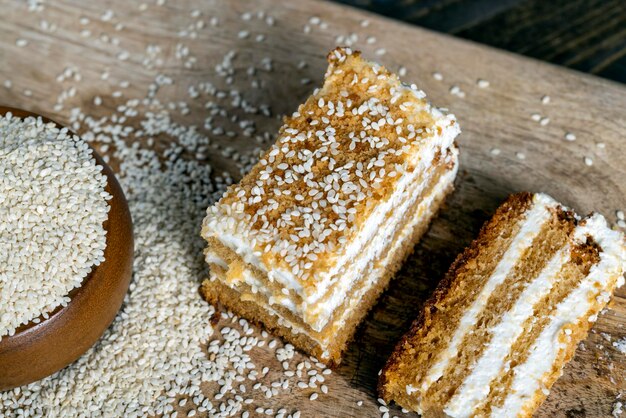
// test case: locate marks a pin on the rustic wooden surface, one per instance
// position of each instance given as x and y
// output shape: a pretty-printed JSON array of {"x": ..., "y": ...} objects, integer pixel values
[
  {"x": 587, "y": 35},
  {"x": 532, "y": 156}
]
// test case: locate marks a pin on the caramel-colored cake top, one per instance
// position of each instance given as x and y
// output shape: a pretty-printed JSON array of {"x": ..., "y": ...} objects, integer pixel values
[{"x": 335, "y": 159}]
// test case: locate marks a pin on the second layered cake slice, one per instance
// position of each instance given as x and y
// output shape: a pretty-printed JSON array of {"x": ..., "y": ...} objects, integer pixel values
[
  {"x": 509, "y": 314},
  {"x": 309, "y": 239}
]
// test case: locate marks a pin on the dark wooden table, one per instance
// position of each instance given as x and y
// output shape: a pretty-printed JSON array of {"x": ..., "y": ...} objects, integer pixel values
[{"x": 586, "y": 35}]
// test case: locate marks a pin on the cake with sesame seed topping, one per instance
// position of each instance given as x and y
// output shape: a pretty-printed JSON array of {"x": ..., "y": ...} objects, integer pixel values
[
  {"x": 509, "y": 314},
  {"x": 312, "y": 235}
]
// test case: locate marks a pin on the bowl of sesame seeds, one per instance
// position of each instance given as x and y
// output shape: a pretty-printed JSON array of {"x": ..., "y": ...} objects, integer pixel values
[{"x": 66, "y": 247}]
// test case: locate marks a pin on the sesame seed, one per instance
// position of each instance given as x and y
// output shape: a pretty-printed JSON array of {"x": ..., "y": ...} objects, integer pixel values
[
  {"x": 570, "y": 136},
  {"x": 545, "y": 99},
  {"x": 588, "y": 161},
  {"x": 495, "y": 151},
  {"x": 520, "y": 155},
  {"x": 483, "y": 84},
  {"x": 437, "y": 76}
]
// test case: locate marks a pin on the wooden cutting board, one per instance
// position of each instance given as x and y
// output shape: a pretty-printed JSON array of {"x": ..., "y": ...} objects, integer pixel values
[{"x": 504, "y": 148}]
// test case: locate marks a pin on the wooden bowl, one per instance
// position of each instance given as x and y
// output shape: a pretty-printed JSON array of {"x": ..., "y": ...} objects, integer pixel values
[{"x": 38, "y": 350}]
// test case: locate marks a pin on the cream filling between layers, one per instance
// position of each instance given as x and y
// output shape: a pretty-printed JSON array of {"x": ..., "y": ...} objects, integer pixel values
[
  {"x": 373, "y": 273},
  {"x": 319, "y": 313},
  {"x": 530, "y": 228},
  {"x": 228, "y": 234},
  {"x": 476, "y": 385},
  {"x": 593, "y": 289}
]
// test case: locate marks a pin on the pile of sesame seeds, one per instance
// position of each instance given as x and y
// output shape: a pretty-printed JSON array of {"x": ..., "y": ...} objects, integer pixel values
[{"x": 53, "y": 205}]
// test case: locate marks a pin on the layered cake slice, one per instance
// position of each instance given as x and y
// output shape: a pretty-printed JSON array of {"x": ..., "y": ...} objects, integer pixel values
[
  {"x": 309, "y": 239},
  {"x": 509, "y": 314}
]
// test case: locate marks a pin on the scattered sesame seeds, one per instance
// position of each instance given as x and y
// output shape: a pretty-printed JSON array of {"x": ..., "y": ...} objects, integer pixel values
[{"x": 53, "y": 235}]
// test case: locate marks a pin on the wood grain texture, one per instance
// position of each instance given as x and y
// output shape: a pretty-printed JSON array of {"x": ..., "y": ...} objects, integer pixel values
[
  {"x": 587, "y": 35},
  {"x": 531, "y": 156}
]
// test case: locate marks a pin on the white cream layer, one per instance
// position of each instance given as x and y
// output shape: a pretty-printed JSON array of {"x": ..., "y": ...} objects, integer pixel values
[
  {"x": 318, "y": 313},
  {"x": 574, "y": 309},
  {"x": 475, "y": 387},
  {"x": 231, "y": 233},
  {"x": 530, "y": 227},
  {"x": 425, "y": 208}
]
